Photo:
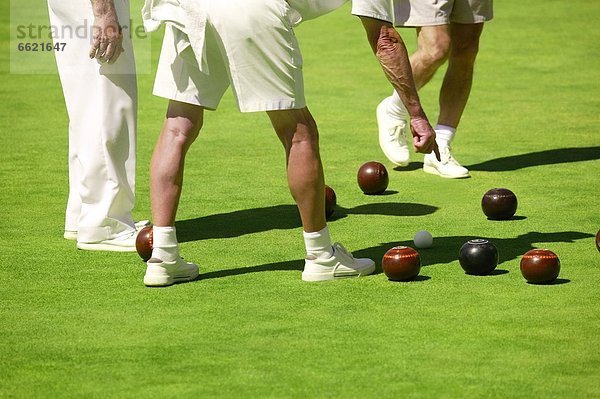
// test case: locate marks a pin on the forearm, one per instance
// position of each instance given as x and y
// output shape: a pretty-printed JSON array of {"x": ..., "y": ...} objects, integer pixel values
[{"x": 392, "y": 55}]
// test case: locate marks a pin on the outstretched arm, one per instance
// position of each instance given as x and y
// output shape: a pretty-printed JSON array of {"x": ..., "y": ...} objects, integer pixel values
[
  {"x": 107, "y": 43},
  {"x": 391, "y": 53}
]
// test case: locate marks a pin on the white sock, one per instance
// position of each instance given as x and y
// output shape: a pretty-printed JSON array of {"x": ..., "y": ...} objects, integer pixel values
[
  {"x": 318, "y": 243},
  {"x": 444, "y": 135},
  {"x": 396, "y": 107},
  {"x": 164, "y": 243}
]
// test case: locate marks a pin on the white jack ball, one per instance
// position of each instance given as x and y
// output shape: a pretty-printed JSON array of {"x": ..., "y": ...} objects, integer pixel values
[{"x": 423, "y": 239}]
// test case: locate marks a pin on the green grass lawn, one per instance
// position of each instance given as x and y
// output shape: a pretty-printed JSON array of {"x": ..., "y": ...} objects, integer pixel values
[{"x": 81, "y": 324}]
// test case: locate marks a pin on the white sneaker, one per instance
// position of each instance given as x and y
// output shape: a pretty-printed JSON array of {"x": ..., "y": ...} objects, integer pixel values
[
  {"x": 448, "y": 167},
  {"x": 141, "y": 224},
  {"x": 72, "y": 234},
  {"x": 124, "y": 243},
  {"x": 340, "y": 264},
  {"x": 393, "y": 138},
  {"x": 162, "y": 274}
]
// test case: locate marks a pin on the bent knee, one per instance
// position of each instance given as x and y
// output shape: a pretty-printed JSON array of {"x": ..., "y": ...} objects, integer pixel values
[
  {"x": 305, "y": 136},
  {"x": 434, "y": 44},
  {"x": 181, "y": 130},
  {"x": 436, "y": 53},
  {"x": 465, "y": 52},
  {"x": 294, "y": 124}
]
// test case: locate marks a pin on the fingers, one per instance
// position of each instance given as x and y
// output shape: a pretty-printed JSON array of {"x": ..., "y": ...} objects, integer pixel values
[
  {"x": 422, "y": 145},
  {"x": 107, "y": 44},
  {"x": 436, "y": 150},
  {"x": 106, "y": 51},
  {"x": 119, "y": 50},
  {"x": 100, "y": 55},
  {"x": 95, "y": 45},
  {"x": 113, "y": 51},
  {"x": 423, "y": 136}
]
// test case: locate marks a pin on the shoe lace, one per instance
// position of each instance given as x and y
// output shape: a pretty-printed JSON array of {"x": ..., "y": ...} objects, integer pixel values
[
  {"x": 398, "y": 133},
  {"x": 337, "y": 247},
  {"x": 447, "y": 158}
]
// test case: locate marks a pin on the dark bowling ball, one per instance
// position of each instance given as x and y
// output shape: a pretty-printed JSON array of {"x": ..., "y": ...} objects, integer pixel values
[
  {"x": 372, "y": 178},
  {"x": 401, "y": 263},
  {"x": 478, "y": 257},
  {"x": 598, "y": 240},
  {"x": 144, "y": 243},
  {"x": 540, "y": 266},
  {"x": 499, "y": 204},
  {"x": 330, "y": 202}
]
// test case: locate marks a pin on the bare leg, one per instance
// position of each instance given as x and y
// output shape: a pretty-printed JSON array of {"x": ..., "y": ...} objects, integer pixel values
[
  {"x": 433, "y": 48},
  {"x": 180, "y": 129},
  {"x": 456, "y": 87},
  {"x": 298, "y": 133}
]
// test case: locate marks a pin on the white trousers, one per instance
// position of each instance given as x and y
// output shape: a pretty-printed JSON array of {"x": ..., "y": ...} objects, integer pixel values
[{"x": 101, "y": 101}]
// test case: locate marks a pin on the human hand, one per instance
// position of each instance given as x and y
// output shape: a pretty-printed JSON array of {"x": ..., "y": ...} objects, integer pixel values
[
  {"x": 107, "y": 40},
  {"x": 423, "y": 136}
]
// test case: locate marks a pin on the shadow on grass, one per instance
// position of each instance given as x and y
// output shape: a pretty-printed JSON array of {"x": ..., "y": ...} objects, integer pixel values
[
  {"x": 297, "y": 264},
  {"x": 280, "y": 217},
  {"x": 497, "y": 272},
  {"x": 516, "y": 217},
  {"x": 445, "y": 250},
  {"x": 418, "y": 279},
  {"x": 558, "y": 281},
  {"x": 515, "y": 162},
  {"x": 385, "y": 193},
  {"x": 410, "y": 167},
  {"x": 549, "y": 157}
]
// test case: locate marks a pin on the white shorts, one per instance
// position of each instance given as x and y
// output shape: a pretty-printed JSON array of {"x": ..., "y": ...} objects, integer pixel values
[
  {"x": 418, "y": 13},
  {"x": 378, "y": 9},
  {"x": 249, "y": 44}
]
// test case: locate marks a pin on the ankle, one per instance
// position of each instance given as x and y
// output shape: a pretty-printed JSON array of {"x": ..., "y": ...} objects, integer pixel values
[
  {"x": 444, "y": 135},
  {"x": 395, "y": 107},
  {"x": 165, "y": 246},
  {"x": 318, "y": 244}
]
